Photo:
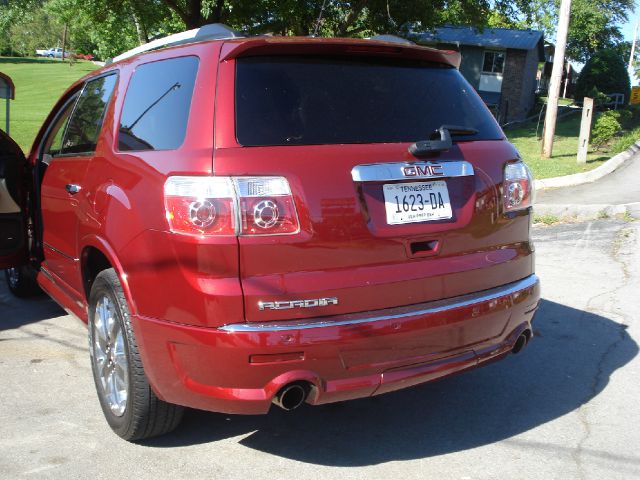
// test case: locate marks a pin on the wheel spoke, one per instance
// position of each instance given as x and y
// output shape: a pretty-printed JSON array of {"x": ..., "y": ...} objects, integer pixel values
[
  {"x": 103, "y": 369},
  {"x": 101, "y": 324},
  {"x": 109, "y": 387}
]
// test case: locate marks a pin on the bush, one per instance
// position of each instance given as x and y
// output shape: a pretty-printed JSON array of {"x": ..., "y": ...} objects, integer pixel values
[
  {"x": 606, "y": 126},
  {"x": 606, "y": 72}
]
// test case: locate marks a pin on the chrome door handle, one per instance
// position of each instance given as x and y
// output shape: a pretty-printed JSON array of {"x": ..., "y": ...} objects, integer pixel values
[{"x": 73, "y": 188}]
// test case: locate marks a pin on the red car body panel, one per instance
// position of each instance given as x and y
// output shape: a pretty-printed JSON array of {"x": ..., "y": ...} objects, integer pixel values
[{"x": 188, "y": 295}]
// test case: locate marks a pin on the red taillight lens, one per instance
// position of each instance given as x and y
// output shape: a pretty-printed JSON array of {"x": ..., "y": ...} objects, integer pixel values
[
  {"x": 230, "y": 206},
  {"x": 266, "y": 206},
  {"x": 517, "y": 187},
  {"x": 200, "y": 205}
]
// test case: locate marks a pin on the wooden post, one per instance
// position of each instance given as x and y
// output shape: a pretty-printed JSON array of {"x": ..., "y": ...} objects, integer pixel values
[
  {"x": 585, "y": 129},
  {"x": 556, "y": 78}
]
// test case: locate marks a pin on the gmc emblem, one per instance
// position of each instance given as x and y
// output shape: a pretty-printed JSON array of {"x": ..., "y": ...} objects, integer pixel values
[{"x": 423, "y": 171}]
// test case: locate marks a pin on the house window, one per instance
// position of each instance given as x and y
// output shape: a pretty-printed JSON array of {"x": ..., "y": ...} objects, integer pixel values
[{"x": 493, "y": 62}]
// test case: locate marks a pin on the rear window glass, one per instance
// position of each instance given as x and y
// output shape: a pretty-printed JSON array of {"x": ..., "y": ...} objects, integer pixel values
[
  {"x": 84, "y": 126},
  {"x": 156, "y": 108},
  {"x": 302, "y": 101}
]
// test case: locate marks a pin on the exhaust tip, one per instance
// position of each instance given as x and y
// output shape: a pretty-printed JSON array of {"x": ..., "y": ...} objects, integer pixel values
[
  {"x": 521, "y": 342},
  {"x": 291, "y": 396}
]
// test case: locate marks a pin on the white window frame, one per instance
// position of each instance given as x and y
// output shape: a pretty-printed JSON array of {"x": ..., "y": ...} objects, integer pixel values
[{"x": 493, "y": 63}]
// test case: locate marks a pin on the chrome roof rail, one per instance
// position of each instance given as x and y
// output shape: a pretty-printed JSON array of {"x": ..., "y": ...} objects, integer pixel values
[{"x": 213, "y": 31}]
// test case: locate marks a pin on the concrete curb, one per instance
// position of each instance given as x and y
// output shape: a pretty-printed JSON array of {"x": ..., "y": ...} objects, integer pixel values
[
  {"x": 592, "y": 175},
  {"x": 587, "y": 212}
]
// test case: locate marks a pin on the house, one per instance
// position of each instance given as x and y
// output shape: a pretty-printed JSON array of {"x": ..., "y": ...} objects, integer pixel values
[{"x": 500, "y": 63}]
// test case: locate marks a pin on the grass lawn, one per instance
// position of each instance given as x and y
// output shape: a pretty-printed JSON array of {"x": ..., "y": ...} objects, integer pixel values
[
  {"x": 39, "y": 84},
  {"x": 565, "y": 149}
]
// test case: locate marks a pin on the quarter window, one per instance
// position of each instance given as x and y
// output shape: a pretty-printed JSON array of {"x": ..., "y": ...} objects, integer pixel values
[
  {"x": 493, "y": 62},
  {"x": 86, "y": 121},
  {"x": 53, "y": 144},
  {"x": 156, "y": 108}
]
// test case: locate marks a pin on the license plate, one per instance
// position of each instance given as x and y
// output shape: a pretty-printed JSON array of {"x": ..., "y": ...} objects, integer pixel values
[{"x": 416, "y": 202}]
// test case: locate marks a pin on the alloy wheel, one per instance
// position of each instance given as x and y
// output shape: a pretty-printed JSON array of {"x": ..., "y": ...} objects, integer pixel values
[{"x": 110, "y": 357}]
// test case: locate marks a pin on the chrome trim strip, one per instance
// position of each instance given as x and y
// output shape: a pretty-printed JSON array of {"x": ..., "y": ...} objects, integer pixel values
[
  {"x": 437, "y": 306},
  {"x": 53, "y": 249},
  {"x": 46, "y": 273},
  {"x": 381, "y": 172}
]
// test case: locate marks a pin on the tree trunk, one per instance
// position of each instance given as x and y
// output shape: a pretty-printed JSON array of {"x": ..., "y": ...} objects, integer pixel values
[
  {"x": 64, "y": 41},
  {"x": 140, "y": 30}
]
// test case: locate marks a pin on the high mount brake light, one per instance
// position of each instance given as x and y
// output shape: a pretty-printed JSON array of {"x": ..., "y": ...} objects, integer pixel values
[
  {"x": 517, "y": 187},
  {"x": 230, "y": 206}
]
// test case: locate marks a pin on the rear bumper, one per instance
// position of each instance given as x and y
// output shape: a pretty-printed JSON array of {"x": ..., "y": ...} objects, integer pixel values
[{"x": 239, "y": 368}]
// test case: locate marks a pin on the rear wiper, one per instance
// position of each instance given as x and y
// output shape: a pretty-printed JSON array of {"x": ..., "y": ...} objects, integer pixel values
[{"x": 425, "y": 147}]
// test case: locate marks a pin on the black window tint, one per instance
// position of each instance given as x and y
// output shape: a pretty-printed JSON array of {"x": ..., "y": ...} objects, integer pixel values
[
  {"x": 86, "y": 121},
  {"x": 156, "y": 108},
  {"x": 297, "y": 101},
  {"x": 493, "y": 62},
  {"x": 53, "y": 143}
]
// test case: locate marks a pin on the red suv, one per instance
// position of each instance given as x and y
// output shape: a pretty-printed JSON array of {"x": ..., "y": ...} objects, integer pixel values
[{"x": 248, "y": 221}]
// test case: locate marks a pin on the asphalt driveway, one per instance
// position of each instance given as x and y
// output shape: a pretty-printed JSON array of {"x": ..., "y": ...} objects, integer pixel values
[{"x": 565, "y": 408}]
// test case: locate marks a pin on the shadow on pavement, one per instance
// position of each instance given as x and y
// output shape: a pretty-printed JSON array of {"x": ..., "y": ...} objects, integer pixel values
[
  {"x": 568, "y": 363},
  {"x": 16, "y": 312}
]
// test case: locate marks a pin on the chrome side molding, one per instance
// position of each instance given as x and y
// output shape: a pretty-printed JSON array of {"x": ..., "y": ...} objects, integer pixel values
[
  {"x": 437, "y": 306},
  {"x": 381, "y": 172}
]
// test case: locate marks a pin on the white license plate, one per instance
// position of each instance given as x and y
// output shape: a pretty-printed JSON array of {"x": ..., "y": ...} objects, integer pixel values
[{"x": 416, "y": 202}]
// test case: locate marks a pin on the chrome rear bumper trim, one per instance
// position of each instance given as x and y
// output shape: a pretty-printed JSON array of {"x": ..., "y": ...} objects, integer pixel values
[{"x": 437, "y": 306}]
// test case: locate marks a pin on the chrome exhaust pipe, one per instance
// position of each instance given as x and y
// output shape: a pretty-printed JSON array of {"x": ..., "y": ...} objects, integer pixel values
[
  {"x": 291, "y": 396},
  {"x": 521, "y": 342}
]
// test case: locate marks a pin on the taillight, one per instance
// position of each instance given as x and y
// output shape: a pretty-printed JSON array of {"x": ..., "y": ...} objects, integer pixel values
[
  {"x": 517, "y": 187},
  {"x": 200, "y": 205},
  {"x": 266, "y": 206},
  {"x": 230, "y": 206}
]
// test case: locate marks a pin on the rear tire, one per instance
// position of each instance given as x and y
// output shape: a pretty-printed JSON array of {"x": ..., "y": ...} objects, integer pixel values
[
  {"x": 130, "y": 406},
  {"x": 22, "y": 281}
]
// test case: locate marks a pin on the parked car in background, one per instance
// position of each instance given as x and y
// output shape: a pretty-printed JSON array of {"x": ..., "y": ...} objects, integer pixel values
[
  {"x": 52, "y": 53},
  {"x": 244, "y": 222}
]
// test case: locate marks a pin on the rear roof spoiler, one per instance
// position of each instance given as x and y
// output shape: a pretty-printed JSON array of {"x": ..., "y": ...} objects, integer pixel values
[{"x": 265, "y": 45}]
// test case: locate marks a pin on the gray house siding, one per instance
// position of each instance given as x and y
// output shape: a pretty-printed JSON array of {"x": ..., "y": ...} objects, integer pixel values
[{"x": 471, "y": 66}]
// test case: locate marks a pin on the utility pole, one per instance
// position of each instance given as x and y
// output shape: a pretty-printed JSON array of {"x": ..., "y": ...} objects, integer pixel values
[
  {"x": 556, "y": 79},
  {"x": 633, "y": 49}
]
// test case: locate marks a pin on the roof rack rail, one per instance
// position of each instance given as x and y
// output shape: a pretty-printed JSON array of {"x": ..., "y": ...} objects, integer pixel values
[
  {"x": 392, "y": 39},
  {"x": 213, "y": 31}
]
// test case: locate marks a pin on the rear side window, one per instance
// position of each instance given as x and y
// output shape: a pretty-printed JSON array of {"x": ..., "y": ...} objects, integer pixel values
[
  {"x": 156, "y": 108},
  {"x": 83, "y": 128},
  {"x": 317, "y": 100}
]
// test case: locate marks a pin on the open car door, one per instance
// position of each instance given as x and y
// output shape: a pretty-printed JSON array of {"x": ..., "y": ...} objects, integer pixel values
[{"x": 13, "y": 204}]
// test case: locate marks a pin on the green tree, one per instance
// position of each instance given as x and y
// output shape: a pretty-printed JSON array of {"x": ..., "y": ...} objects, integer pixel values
[
  {"x": 594, "y": 24},
  {"x": 339, "y": 17},
  {"x": 604, "y": 72}
]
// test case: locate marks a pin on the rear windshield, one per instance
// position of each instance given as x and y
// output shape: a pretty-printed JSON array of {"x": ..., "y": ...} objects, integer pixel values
[{"x": 282, "y": 100}]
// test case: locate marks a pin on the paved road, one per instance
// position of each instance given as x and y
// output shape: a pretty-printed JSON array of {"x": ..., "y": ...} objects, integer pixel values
[
  {"x": 618, "y": 188},
  {"x": 565, "y": 408}
]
